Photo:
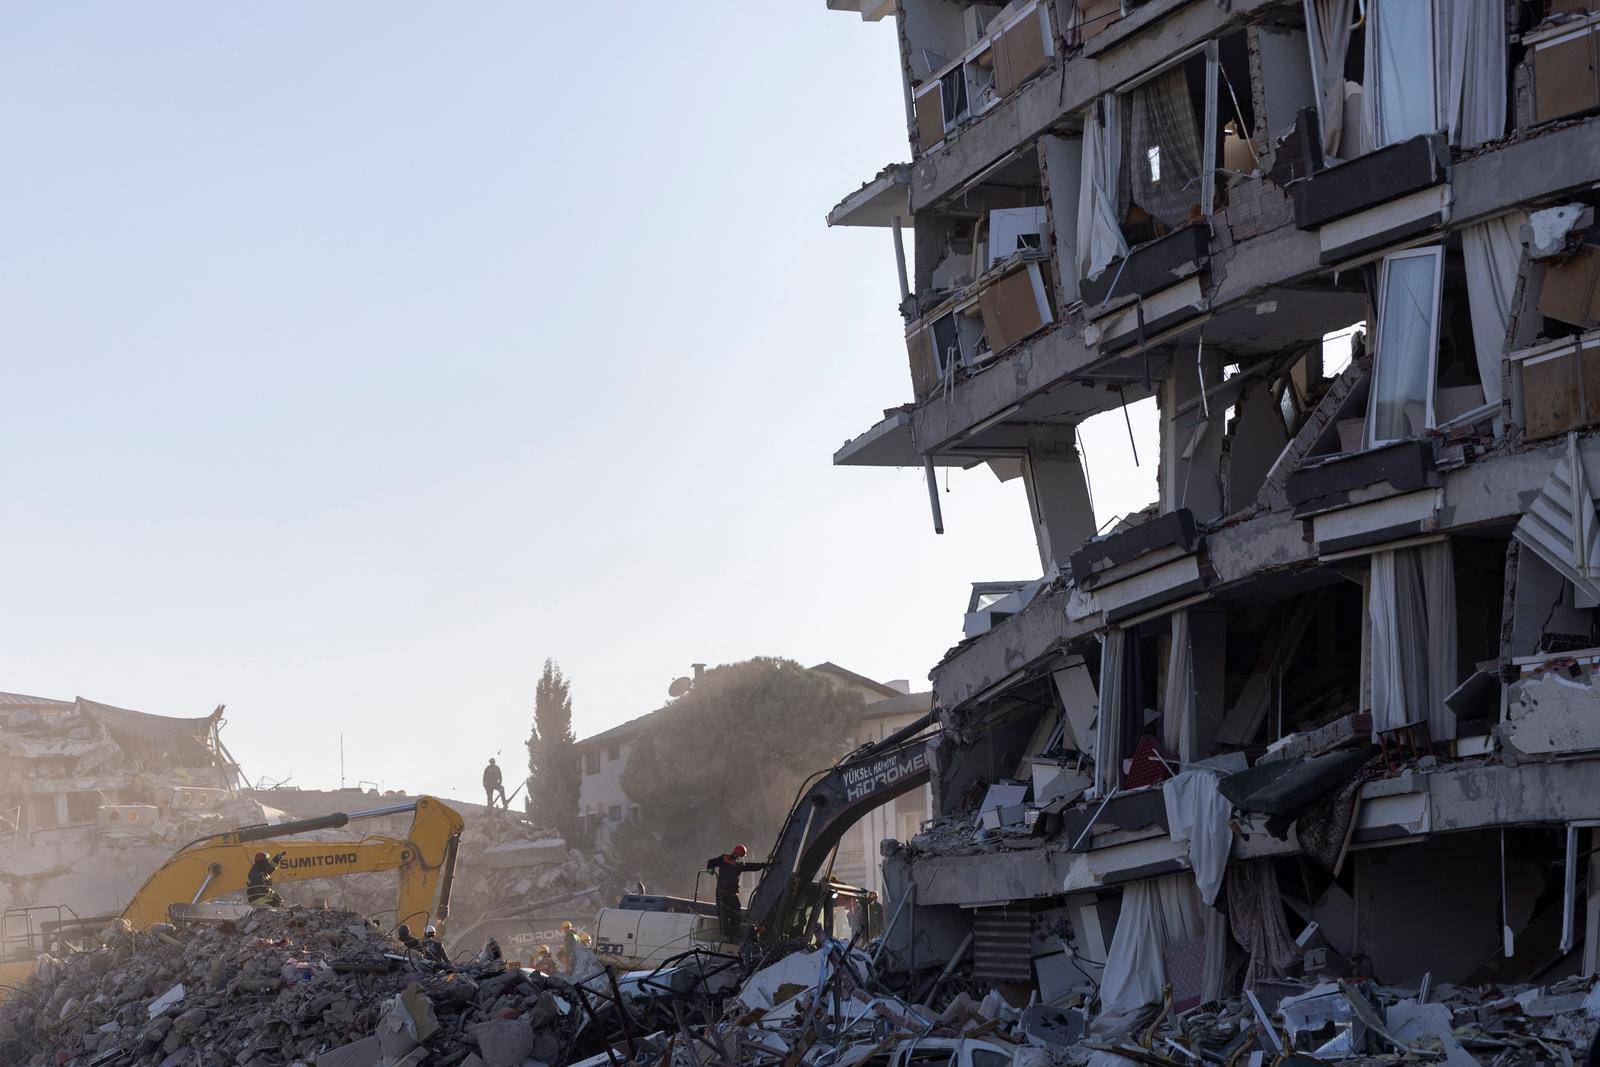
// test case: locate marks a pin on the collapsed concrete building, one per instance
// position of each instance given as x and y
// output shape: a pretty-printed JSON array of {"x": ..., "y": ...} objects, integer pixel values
[
  {"x": 94, "y": 797},
  {"x": 1328, "y": 705}
]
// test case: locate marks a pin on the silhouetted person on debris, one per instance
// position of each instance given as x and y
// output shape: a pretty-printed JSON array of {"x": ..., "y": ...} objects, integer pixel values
[
  {"x": 492, "y": 784},
  {"x": 258, "y": 883},
  {"x": 728, "y": 868},
  {"x": 402, "y": 934}
]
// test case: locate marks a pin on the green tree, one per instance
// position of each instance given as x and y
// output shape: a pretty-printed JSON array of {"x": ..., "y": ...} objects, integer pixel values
[
  {"x": 721, "y": 766},
  {"x": 553, "y": 771}
]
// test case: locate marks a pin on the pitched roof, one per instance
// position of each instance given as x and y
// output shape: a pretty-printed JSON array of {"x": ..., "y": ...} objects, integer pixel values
[
  {"x": 626, "y": 731},
  {"x": 899, "y": 704},
  {"x": 621, "y": 732},
  {"x": 829, "y": 667}
]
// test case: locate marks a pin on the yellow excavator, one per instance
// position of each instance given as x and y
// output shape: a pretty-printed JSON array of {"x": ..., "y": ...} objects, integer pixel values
[{"x": 216, "y": 865}]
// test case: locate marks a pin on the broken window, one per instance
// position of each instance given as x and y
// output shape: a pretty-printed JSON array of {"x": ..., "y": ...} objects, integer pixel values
[
  {"x": 1401, "y": 403},
  {"x": 1439, "y": 338},
  {"x": 1151, "y": 150},
  {"x": 965, "y": 61}
]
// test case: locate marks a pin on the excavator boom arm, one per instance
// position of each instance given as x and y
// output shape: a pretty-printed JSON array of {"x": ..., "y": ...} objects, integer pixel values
[
  {"x": 831, "y": 806},
  {"x": 220, "y": 864}
]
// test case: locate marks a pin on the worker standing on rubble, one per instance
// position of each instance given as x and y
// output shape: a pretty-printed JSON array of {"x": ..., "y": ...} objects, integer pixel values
[
  {"x": 258, "y": 883},
  {"x": 492, "y": 784},
  {"x": 431, "y": 945},
  {"x": 728, "y": 868}
]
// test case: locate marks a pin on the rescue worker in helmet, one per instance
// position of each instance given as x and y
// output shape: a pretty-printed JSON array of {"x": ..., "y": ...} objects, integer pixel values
[
  {"x": 258, "y": 883},
  {"x": 543, "y": 961},
  {"x": 728, "y": 868},
  {"x": 431, "y": 945}
]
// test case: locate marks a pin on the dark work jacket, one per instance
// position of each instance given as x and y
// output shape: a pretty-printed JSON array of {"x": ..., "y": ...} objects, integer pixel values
[
  {"x": 260, "y": 872},
  {"x": 728, "y": 872},
  {"x": 491, "y": 776}
]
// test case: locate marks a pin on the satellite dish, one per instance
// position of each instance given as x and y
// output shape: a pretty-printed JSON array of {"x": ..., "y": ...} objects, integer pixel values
[{"x": 679, "y": 687}]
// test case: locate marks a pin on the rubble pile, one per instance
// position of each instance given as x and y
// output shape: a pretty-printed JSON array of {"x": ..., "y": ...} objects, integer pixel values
[
  {"x": 1357, "y": 1021},
  {"x": 295, "y": 986},
  {"x": 505, "y": 861}
]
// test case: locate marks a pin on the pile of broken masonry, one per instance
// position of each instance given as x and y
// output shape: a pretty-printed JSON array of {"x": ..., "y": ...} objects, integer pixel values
[
  {"x": 828, "y": 1008},
  {"x": 302, "y": 987},
  {"x": 296, "y": 986}
]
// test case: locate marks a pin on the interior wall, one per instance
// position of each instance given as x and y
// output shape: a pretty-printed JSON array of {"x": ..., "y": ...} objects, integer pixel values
[
  {"x": 1058, "y": 492},
  {"x": 1286, "y": 84},
  {"x": 934, "y": 25},
  {"x": 1192, "y": 483},
  {"x": 1259, "y": 438},
  {"x": 1062, "y": 159},
  {"x": 1541, "y": 604}
]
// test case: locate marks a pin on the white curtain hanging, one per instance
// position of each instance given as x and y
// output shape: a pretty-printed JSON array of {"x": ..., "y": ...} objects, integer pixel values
[
  {"x": 1108, "y": 728},
  {"x": 1472, "y": 87},
  {"x": 1135, "y": 974},
  {"x": 1328, "y": 35},
  {"x": 1493, "y": 253},
  {"x": 1436, "y": 565},
  {"x": 1388, "y": 692},
  {"x": 1398, "y": 101},
  {"x": 1411, "y": 606},
  {"x": 1099, "y": 234},
  {"x": 1177, "y": 703}
]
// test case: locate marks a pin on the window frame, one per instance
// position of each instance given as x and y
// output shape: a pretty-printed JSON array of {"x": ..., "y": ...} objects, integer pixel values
[
  {"x": 1436, "y": 253},
  {"x": 1211, "y": 50}
]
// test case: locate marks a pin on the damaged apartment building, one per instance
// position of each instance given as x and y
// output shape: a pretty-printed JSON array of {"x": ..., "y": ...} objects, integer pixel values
[{"x": 1329, "y": 704}]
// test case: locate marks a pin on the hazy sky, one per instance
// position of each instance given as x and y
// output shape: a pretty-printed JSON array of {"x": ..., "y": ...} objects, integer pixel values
[{"x": 360, "y": 356}]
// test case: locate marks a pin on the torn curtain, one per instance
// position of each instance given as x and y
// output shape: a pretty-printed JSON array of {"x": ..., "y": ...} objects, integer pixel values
[
  {"x": 1328, "y": 35},
  {"x": 1161, "y": 151},
  {"x": 1099, "y": 233},
  {"x": 1255, "y": 915},
  {"x": 1492, "y": 250},
  {"x": 1154, "y": 915},
  {"x": 1411, "y": 607},
  {"x": 1198, "y": 813}
]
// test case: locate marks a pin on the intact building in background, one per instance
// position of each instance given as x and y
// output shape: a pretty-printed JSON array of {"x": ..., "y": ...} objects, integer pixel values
[
  {"x": 1328, "y": 704},
  {"x": 604, "y": 803}
]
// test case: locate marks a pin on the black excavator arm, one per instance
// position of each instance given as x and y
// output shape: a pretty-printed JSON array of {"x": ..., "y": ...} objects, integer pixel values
[{"x": 829, "y": 805}]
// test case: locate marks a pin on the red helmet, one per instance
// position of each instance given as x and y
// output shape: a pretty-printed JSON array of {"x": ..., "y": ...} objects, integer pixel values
[
  {"x": 261, "y": 855},
  {"x": 739, "y": 850}
]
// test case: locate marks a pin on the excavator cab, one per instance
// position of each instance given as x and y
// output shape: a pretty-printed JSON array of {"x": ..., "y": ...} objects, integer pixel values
[{"x": 834, "y": 909}]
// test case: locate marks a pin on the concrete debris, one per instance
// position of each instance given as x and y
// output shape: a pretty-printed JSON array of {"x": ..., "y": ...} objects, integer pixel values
[{"x": 292, "y": 986}]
